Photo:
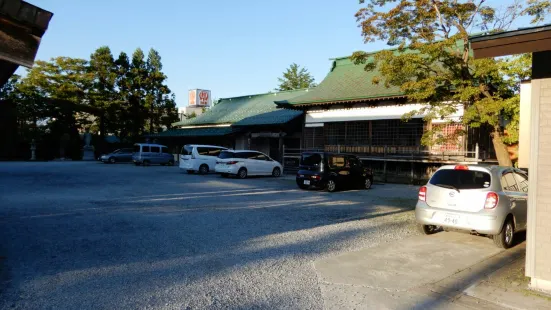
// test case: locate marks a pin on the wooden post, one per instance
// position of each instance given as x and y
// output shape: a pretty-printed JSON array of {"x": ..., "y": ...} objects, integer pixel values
[
  {"x": 384, "y": 164},
  {"x": 283, "y": 156},
  {"x": 384, "y": 171}
]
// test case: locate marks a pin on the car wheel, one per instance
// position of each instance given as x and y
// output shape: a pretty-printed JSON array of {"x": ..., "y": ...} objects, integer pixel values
[
  {"x": 505, "y": 238},
  {"x": 112, "y": 160},
  {"x": 204, "y": 169},
  {"x": 368, "y": 183},
  {"x": 331, "y": 186},
  {"x": 242, "y": 173},
  {"x": 428, "y": 229},
  {"x": 170, "y": 163},
  {"x": 276, "y": 172}
]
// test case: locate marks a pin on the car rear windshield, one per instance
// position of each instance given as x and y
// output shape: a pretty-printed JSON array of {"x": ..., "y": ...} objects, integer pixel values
[
  {"x": 226, "y": 154},
  {"x": 187, "y": 149},
  {"x": 461, "y": 179},
  {"x": 311, "y": 159},
  {"x": 136, "y": 148}
]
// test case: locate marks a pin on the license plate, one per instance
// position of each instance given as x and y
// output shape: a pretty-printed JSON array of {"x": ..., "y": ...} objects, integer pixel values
[
  {"x": 306, "y": 182},
  {"x": 452, "y": 219}
]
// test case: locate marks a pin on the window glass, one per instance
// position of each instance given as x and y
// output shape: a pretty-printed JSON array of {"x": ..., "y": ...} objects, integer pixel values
[
  {"x": 353, "y": 161},
  {"x": 226, "y": 154},
  {"x": 242, "y": 154},
  {"x": 310, "y": 159},
  {"x": 337, "y": 161},
  {"x": 155, "y": 149},
  {"x": 522, "y": 182},
  {"x": 252, "y": 155},
  {"x": 136, "y": 148},
  {"x": 461, "y": 179},
  {"x": 165, "y": 149},
  {"x": 260, "y": 156},
  {"x": 203, "y": 151},
  {"x": 187, "y": 150},
  {"x": 215, "y": 152},
  {"x": 145, "y": 148},
  {"x": 508, "y": 182}
]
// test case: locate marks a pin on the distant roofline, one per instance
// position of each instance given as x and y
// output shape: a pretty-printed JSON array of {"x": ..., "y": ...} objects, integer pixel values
[{"x": 269, "y": 93}]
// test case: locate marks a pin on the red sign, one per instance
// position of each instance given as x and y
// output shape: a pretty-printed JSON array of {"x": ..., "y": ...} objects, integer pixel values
[{"x": 203, "y": 97}]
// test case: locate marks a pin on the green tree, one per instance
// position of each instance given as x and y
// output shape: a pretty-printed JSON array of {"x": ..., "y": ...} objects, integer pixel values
[
  {"x": 137, "y": 79},
  {"x": 103, "y": 93},
  {"x": 432, "y": 61},
  {"x": 192, "y": 115},
  {"x": 295, "y": 77},
  {"x": 158, "y": 100}
]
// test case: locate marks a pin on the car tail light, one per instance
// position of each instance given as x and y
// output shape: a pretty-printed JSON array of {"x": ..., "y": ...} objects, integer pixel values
[
  {"x": 491, "y": 200},
  {"x": 461, "y": 167},
  {"x": 232, "y": 162},
  {"x": 316, "y": 177},
  {"x": 423, "y": 193}
]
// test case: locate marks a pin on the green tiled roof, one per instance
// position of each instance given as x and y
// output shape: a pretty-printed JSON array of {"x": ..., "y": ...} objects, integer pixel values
[
  {"x": 345, "y": 82},
  {"x": 196, "y": 132},
  {"x": 232, "y": 110},
  {"x": 280, "y": 116}
]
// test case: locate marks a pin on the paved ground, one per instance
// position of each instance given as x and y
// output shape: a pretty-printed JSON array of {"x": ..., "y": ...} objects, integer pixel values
[{"x": 93, "y": 236}]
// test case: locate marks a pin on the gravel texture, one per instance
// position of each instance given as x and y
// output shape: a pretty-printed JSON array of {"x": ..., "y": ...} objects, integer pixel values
[{"x": 86, "y": 235}]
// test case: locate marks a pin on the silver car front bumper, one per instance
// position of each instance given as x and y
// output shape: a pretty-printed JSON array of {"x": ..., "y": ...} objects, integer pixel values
[{"x": 486, "y": 222}]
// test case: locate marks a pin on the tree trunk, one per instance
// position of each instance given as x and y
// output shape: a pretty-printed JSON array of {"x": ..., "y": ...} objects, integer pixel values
[{"x": 502, "y": 153}]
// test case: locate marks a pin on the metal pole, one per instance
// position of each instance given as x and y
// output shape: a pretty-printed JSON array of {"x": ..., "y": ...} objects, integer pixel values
[{"x": 476, "y": 152}]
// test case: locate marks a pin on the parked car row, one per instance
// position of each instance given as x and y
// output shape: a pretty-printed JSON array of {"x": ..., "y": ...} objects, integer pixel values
[
  {"x": 239, "y": 163},
  {"x": 482, "y": 200}
]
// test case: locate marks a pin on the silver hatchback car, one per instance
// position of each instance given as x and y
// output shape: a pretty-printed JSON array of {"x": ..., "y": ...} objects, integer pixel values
[{"x": 484, "y": 200}]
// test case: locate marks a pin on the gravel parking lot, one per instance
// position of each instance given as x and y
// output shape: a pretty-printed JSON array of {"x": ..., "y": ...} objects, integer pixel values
[{"x": 83, "y": 235}]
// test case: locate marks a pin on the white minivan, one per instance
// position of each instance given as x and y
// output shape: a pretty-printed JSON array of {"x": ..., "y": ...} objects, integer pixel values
[{"x": 199, "y": 158}]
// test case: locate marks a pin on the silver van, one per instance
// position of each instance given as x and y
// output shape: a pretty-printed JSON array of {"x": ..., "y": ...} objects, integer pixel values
[{"x": 152, "y": 154}]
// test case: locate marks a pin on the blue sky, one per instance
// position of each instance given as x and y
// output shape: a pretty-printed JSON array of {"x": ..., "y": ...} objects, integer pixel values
[{"x": 233, "y": 48}]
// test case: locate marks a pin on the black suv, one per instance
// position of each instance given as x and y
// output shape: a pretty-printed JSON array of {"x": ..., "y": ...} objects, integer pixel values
[{"x": 332, "y": 171}]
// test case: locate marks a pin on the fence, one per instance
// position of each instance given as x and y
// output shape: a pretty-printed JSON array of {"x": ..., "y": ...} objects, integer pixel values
[{"x": 403, "y": 164}]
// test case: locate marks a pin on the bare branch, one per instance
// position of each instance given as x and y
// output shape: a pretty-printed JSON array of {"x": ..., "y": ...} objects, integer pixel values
[
  {"x": 475, "y": 14},
  {"x": 446, "y": 31}
]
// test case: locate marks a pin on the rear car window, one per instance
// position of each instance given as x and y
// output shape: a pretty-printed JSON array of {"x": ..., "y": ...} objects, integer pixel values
[
  {"x": 461, "y": 179},
  {"x": 155, "y": 149},
  {"x": 165, "y": 149},
  {"x": 145, "y": 148},
  {"x": 311, "y": 160},
  {"x": 136, "y": 148},
  {"x": 187, "y": 149},
  {"x": 226, "y": 154}
]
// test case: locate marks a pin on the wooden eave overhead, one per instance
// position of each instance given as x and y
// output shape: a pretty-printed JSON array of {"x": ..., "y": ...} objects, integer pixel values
[{"x": 528, "y": 40}]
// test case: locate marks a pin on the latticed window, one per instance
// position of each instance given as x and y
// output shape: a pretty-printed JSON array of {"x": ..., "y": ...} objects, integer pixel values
[
  {"x": 381, "y": 133},
  {"x": 313, "y": 137}
]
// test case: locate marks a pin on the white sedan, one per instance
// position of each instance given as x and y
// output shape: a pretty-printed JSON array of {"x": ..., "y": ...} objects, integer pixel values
[{"x": 245, "y": 163}]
